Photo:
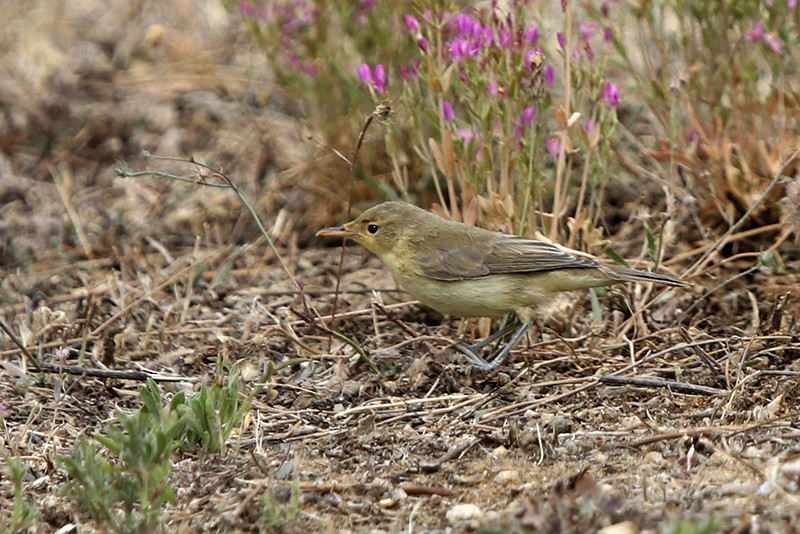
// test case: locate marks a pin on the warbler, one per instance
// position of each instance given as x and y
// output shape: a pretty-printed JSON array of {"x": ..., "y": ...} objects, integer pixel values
[{"x": 462, "y": 270}]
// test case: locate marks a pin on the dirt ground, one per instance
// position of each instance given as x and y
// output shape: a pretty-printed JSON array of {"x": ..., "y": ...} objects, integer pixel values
[{"x": 684, "y": 411}]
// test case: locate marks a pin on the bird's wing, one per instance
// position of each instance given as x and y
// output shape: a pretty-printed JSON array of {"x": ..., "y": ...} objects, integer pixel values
[
  {"x": 504, "y": 254},
  {"x": 512, "y": 254},
  {"x": 447, "y": 261}
]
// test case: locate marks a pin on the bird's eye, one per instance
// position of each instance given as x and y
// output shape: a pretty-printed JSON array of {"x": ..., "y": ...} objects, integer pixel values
[{"x": 372, "y": 228}]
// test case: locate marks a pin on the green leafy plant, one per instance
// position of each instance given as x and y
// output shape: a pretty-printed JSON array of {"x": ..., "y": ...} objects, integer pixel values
[
  {"x": 127, "y": 495},
  {"x": 127, "y": 491},
  {"x": 214, "y": 412},
  {"x": 23, "y": 513},
  {"x": 275, "y": 515}
]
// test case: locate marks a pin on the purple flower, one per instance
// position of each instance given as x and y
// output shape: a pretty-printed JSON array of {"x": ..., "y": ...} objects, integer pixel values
[
  {"x": 791, "y": 4},
  {"x": 506, "y": 39},
  {"x": 381, "y": 82},
  {"x": 527, "y": 116},
  {"x": 549, "y": 75},
  {"x": 525, "y": 121},
  {"x": 589, "y": 127},
  {"x": 249, "y": 11},
  {"x": 604, "y": 9},
  {"x": 466, "y": 135},
  {"x": 774, "y": 43},
  {"x": 467, "y": 26},
  {"x": 588, "y": 29},
  {"x": 587, "y": 48},
  {"x": 553, "y": 145},
  {"x": 485, "y": 37},
  {"x": 493, "y": 89},
  {"x": 532, "y": 34},
  {"x": 246, "y": 10},
  {"x": 412, "y": 25},
  {"x": 460, "y": 48},
  {"x": 366, "y": 7},
  {"x": 447, "y": 109},
  {"x": 756, "y": 32},
  {"x": 365, "y": 73},
  {"x": 693, "y": 136},
  {"x": 376, "y": 80},
  {"x": 424, "y": 44},
  {"x": 410, "y": 71},
  {"x": 608, "y": 34},
  {"x": 530, "y": 55},
  {"x": 561, "y": 41},
  {"x": 611, "y": 94}
]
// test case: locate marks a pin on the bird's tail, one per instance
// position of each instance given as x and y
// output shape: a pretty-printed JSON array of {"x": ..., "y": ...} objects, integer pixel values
[{"x": 632, "y": 275}]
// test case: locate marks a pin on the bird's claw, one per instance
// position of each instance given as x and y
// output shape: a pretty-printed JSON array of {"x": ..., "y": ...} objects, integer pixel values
[{"x": 472, "y": 351}]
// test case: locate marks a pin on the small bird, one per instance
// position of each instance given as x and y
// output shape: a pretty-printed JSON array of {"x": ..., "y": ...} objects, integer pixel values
[{"x": 466, "y": 271}]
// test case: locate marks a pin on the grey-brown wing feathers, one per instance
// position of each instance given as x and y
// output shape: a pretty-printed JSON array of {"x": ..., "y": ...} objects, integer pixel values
[
  {"x": 448, "y": 263},
  {"x": 504, "y": 254},
  {"x": 512, "y": 254}
]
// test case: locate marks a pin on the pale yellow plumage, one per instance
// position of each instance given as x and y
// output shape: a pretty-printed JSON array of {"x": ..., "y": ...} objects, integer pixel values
[{"x": 466, "y": 271}]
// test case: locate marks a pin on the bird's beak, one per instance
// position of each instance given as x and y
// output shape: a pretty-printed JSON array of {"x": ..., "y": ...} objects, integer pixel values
[{"x": 336, "y": 231}]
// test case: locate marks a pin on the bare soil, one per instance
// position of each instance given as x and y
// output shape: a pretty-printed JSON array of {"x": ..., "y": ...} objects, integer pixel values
[{"x": 641, "y": 418}]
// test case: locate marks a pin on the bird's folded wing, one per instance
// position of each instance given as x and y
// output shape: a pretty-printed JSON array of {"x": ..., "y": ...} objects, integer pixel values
[
  {"x": 505, "y": 255},
  {"x": 447, "y": 262},
  {"x": 519, "y": 255}
]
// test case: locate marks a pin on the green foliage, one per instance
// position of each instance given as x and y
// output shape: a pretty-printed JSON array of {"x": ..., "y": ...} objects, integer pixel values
[
  {"x": 24, "y": 513},
  {"x": 275, "y": 515},
  {"x": 213, "y": 413},
  {"x": 127, "y": 495},
  {"x": 709, "y": 525},
  {"x": 127, "y": 492}
]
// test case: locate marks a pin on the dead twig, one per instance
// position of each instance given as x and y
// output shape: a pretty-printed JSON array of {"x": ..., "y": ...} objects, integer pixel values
[{"x": 679, "y": 387}]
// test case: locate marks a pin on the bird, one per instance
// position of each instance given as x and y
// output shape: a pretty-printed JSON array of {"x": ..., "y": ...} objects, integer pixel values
[{"x": 466, "y": 271}]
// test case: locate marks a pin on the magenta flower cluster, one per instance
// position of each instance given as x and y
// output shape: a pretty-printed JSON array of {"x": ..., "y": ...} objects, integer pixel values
[
  {"x": 471, "y": 38},
  {"x": 757, "y": 34},
  {"x": 375, "y": 78},
  {"x": 611, "y": 94},
  {"x": 293, "y": 20}
]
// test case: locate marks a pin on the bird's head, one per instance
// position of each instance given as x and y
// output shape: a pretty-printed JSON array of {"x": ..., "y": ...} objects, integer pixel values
[{"x": 382, "y": 228}]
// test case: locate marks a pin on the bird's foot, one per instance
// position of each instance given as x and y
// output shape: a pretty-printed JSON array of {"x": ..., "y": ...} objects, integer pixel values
[{"x": 472, "y": 351}]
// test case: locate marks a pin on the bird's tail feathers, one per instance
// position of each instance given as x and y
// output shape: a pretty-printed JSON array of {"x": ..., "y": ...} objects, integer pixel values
[{"x": 632, "y": 275}]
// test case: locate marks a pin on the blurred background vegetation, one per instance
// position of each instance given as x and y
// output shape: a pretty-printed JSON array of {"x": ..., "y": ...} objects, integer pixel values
[{"x": 569, "y": 121}]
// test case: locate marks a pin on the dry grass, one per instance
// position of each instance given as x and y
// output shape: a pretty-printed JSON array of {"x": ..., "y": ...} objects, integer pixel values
[{"x": 666, "y": 410}]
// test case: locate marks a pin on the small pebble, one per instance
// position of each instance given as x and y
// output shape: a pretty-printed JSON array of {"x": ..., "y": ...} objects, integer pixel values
[
  {"x": 508, "y": 477},
  {"x": 499, "y": 452},
  {"x": 463, "y": 512}
]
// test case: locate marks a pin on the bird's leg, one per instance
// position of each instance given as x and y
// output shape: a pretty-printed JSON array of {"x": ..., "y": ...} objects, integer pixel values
[
  {"x": 497, "y": 360},
  {"x": 472, "y": 351},
  {"x": 508, "y": 326}
]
